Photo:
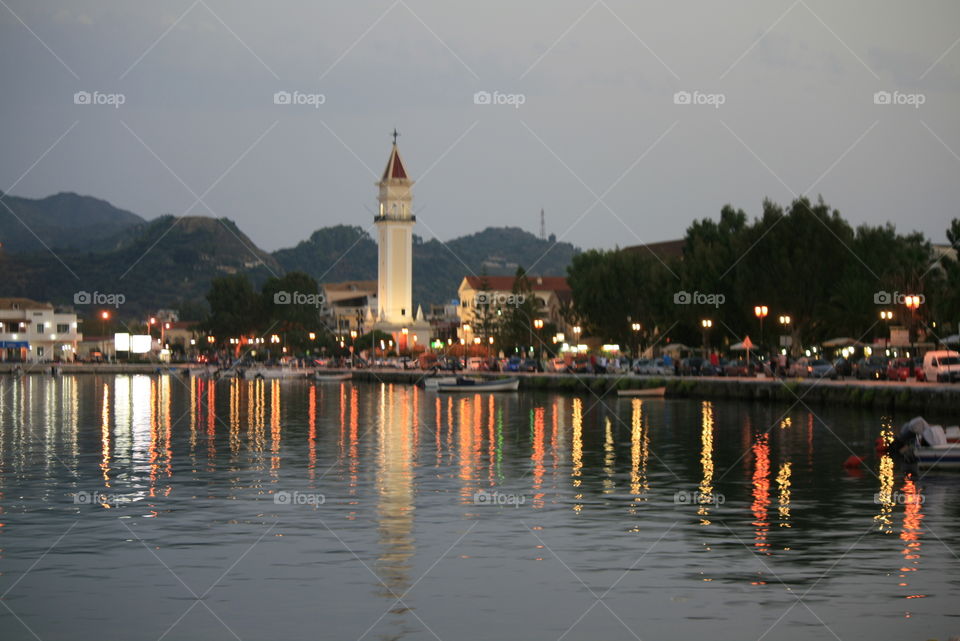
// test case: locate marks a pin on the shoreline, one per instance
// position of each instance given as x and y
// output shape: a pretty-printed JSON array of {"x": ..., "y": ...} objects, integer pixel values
[{"x": 884, "y": 395}]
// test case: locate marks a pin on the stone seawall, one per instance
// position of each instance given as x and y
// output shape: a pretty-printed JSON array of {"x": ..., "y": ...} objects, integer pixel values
[{"x": 883, "y": 395}]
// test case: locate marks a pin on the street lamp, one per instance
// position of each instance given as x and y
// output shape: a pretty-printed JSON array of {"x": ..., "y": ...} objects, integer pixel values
[
  {"x": 706, "y": 324},
  {"x": 104, "y": 317},
  {"x": 760, "y": 311},
  {"x": 912, "y": 302}
]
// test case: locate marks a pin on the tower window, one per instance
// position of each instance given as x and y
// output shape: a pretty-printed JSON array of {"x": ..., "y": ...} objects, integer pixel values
[{"x": 403, "y": 311}]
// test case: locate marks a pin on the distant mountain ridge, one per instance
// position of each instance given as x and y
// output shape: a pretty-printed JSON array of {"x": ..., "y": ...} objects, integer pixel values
[
  {"x": 349, "y": 253},
  {"x": 60, "y": 221},
  {"x": 169, "y": 262}
]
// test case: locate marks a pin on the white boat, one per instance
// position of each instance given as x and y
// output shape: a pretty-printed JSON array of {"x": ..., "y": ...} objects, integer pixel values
[
  {"x": 942, "y": 457},
  {"x": 649, "y": 392},
  {"x": 474, "y": 385},
  {"x": 434, "y": 382},
  {"x": 930, "y": 446},
  {"x": 258, "y": 372},
  {"x": 332, "y": 377}
]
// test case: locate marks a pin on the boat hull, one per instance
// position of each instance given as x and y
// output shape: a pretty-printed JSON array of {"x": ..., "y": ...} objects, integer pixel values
[
  {"x": 505, "y": 385},
  {"x": 945, "y": 457},
  {"x": 650, "y": 392},
  {"x": 332, "y": 378}
]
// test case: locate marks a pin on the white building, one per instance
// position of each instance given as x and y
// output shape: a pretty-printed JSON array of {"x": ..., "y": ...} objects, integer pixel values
[
  {"x": 394, "y": 222},
  {"x": 34, "y": 332}
]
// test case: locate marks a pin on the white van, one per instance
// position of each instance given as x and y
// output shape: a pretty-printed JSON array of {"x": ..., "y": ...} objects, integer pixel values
[{"x": 942, "y": 366}]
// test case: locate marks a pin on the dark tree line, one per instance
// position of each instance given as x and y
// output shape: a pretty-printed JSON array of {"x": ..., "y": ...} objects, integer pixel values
[{"x": 806, "y": 262}]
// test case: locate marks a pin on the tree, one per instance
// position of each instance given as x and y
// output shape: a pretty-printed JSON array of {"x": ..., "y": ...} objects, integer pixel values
[
  {"x": 516, "y": 324},
  {"x": 234, "y": 307},
  {"x": 291, "y": 306}
]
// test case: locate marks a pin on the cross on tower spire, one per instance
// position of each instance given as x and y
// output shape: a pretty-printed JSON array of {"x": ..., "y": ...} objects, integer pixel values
[{"x": 395, "y": 134}]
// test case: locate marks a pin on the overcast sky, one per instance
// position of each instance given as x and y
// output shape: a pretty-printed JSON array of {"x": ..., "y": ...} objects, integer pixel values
[{"x": 598, "y": 140}]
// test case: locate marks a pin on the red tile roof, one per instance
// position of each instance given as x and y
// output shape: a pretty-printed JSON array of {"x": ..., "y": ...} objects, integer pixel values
[{"x": 505, "y": 283}]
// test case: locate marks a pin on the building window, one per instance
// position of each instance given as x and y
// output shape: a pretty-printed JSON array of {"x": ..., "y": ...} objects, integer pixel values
[
  {"x": 63, "y": 328},
  {"x": 403, "y": 311},
  {"x": 40, "y": 328}
]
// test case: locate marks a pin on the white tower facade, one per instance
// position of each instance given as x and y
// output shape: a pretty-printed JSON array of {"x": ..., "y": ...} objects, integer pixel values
[{"x": 394, "y": 223}]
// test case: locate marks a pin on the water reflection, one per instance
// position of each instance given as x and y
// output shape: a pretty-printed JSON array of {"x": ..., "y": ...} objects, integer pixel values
[
  {"x": 761, "y": 492},
  {"x": 706, "y": 462},
  {"x": 395, "y": 508},
  {"x": 380, "y": 452}
]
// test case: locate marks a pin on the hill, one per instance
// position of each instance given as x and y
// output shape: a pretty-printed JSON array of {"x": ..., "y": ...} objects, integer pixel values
[
  {"x": 160, "y": 264},
  {"x": 64, "y": 220},
  {"x": 349, "y": 253},
  {"x": 169, "y": 262}
]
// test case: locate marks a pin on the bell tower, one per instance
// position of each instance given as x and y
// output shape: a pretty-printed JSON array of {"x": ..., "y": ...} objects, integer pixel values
[{"x": 394, "y": 222}]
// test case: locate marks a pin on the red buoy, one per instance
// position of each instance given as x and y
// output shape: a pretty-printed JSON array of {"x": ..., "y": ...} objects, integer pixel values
[{"x": 853, "y": 461}]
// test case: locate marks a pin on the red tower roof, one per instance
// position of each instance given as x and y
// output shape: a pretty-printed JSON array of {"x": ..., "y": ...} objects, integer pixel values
[{"x": 394, "y": 167}]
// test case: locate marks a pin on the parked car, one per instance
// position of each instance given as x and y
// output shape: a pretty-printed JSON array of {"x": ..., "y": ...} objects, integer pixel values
[
  {"x": 474, "y": 363},
  {"x": 530, "y": 365},
  {"x": 557, "y": 365},
  {"x": 918, "y": 369},
  {"x": 653, "y": 367},
  {"x": 513, "y": 364},
  {"x": 580, "y": 366},
  {"x": 739, "y": 368},
  {"x": 843, "y": 367},
  {"x": 798, "y": 368},
  {"x": 942, "y": 366},
  {"x": 696, "y": 366},
  {"x": 900, "y": 369},
  {"x": 872, "y": 367},
  {"x": 818, "y": 368}
]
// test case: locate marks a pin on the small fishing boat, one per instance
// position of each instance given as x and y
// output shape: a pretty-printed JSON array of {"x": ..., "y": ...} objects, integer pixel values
[
  {"x": 259, "y": 372},
  {"x": 332, "y": 377},
  {"x": 929, "y": 446},
  {"x": 942, "y": 457},
  {"x": 649, "y": 392},
  {"x": 433, "y": 383},
  {"x": 480, "y": 385}
]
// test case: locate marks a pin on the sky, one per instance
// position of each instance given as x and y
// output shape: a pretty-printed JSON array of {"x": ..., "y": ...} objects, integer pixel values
[{"x": 624, "y": 121}]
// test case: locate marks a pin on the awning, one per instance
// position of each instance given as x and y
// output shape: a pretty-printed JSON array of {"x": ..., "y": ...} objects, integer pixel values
[{"x": 14, "y": 345}]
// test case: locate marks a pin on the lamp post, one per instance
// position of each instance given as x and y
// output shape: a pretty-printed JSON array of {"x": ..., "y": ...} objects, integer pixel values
[
  {"x": 785, "y": 324},
  {"x": 761, "y": 311},
  {"x": 636, "y": 339},
  {"x": 912, "y": 302},
  {"x": 537, "y": 325},
  {"x": 887, "y": 316},
  {"x": 576, "y": 336},
  {"x": 706, "y": 324}
]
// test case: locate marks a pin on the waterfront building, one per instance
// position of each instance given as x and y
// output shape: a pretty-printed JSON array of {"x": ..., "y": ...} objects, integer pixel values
[
  {"x": 493, "y": 295},
  {"x": 33, "y": 332}
]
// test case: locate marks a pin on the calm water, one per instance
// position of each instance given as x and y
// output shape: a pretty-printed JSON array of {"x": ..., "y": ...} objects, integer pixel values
[{"x": 138, "y": 507}]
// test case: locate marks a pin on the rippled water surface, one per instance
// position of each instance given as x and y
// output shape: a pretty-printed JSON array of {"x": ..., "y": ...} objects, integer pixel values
[{"x": 145, "y": 507}]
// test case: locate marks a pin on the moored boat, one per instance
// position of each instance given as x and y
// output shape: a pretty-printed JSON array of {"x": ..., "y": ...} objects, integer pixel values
[
  {"x": 480, "y": 385},
  {"x": 929, "y": 446},
  {"x": 332, "y": 377},
  {"x": 434, "y": 382},
  {"x": 649, "y": 392}
]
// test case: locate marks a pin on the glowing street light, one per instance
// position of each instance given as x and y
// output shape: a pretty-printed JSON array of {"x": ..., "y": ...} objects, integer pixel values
[
  {"x": 886, "y": 314},
  {"x": 760, "y": 311},
  {"x": 784, "y": 320}
]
